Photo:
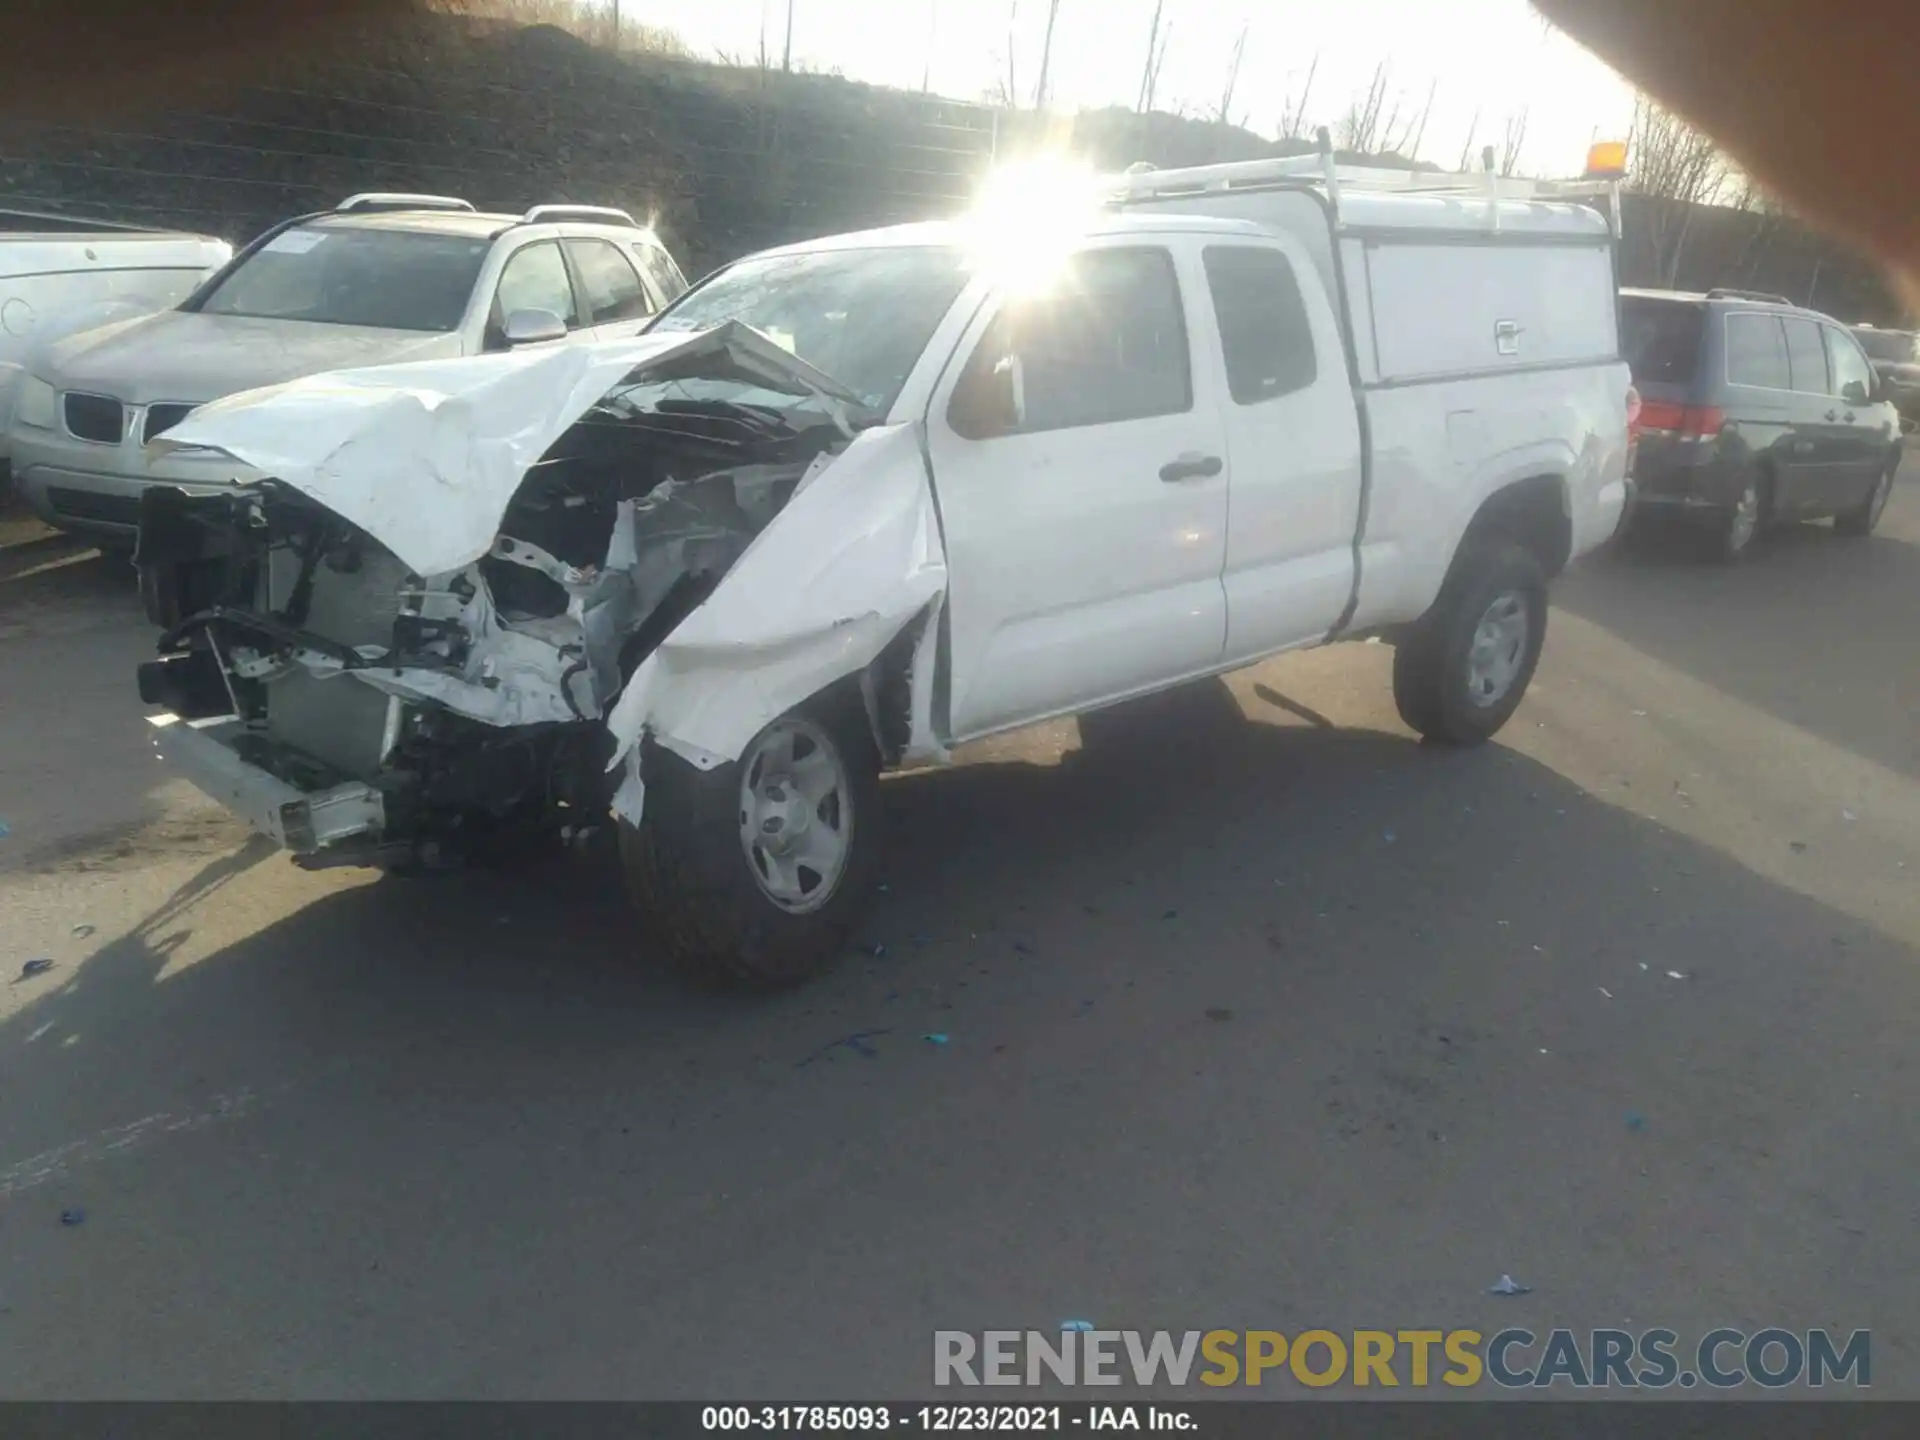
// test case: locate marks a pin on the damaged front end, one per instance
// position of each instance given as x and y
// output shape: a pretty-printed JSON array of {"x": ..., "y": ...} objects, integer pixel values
[{"x": 355, "y": 669}]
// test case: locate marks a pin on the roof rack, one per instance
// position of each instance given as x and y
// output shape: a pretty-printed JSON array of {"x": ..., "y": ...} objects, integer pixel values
[
  {"x": 595, "y": 214},
  {"x": 1143, "y": 181},
  {"x": 373, "y": 202},
  {"x": 1721, "y": 292}
]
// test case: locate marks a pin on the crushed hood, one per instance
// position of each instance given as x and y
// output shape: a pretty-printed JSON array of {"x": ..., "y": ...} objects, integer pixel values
[
  {"x": 426, "y": 457},
  {"x": 186, "y": 356}
]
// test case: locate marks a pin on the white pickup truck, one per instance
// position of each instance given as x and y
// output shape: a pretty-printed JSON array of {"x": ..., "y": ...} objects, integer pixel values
[{"x": 850, "y": 503}]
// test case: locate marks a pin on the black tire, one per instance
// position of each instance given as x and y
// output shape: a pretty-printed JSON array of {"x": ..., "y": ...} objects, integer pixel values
[
  {"x": 1431, "y": 673},
  {"x": 1863, "y": 517},
  {"x": 689, "y": 873}
]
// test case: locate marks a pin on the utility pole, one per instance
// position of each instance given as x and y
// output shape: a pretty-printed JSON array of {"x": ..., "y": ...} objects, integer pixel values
[
  {"x": 616, "y": 26},
  {"x": 786, "y": 62}
]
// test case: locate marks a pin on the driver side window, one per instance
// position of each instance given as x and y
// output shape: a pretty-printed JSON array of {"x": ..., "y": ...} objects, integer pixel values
[
  {"x": 1106, "y": 343},
  {"x": 535, "y": 278}
]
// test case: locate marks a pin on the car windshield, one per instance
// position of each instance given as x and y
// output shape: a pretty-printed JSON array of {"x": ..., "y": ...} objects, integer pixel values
[
  {"x": 1660, "y": 339},
  {"x": 391, "y": 279},
  {"x": 862, "y": 316},
  {"x": 1894, "y": 347}
]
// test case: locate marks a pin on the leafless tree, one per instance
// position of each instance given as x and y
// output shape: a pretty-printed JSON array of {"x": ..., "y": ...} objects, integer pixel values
[
  {"x": 1412, "y": 148},
  {"x": 1293, "y": 114},
  {"x": 1466, "y": 148},
  {"x": 1046, "y": 57},
  {"x": 1360, "y": 128},
  {"x": 1678, "y": 169},
  {"x": 1006, "y": 90},
  {"x": 1513, "y": 142},
  {"x": 1157, "y": 33},
  {"x": 1225, "y": 117},
  {"x": 933, "y": 30}
]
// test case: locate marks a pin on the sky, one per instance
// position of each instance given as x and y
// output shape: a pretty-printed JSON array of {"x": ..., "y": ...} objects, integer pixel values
[{"x": 1484, "y": 61}]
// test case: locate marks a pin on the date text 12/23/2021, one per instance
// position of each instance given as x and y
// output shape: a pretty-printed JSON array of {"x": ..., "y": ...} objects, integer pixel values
[{"x": 946, "y": 1419}]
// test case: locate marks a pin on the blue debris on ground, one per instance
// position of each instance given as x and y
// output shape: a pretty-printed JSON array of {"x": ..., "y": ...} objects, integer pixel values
[
  {"x": 935, "y": 1038},
  {"x": 72, "y": 1217},
  {"x": 34, "y": 967},
  {"x": 1507, "y": 1285},
  {"x": 1079, "y": 1327}
]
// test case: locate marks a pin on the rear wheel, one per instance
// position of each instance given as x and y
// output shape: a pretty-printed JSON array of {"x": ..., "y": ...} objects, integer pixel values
[
  {"x": 1733, "y": 537},
  {"x": 755, "y": 873},
  {"x": 1462, "y": 672},
  {"x": 1863, "y": 517}
]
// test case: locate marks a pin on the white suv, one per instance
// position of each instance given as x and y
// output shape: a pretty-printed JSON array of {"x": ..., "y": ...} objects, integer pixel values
[{"x": 380, "y": 278}]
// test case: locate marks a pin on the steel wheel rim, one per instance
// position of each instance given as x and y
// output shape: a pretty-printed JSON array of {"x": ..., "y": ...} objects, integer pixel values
[
  {"x": 796, "y": 815},
  {"x": 1746, "y": 519},
  {"x": 1499, "y": 649}
]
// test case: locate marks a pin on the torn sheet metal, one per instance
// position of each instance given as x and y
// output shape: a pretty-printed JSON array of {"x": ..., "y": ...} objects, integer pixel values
[
  {"x": 426, "y": 457},
  {"x": 850, "y": 562}
]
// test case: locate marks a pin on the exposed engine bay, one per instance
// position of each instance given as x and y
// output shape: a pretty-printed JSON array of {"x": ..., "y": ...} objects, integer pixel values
[{"x": 457, "y": 711}]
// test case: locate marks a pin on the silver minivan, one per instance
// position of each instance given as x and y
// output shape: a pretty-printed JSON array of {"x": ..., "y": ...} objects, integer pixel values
[{"x": 379, "y": 279}]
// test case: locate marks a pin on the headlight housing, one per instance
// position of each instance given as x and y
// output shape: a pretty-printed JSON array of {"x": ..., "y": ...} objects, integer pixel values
[{"x": 36, "y": 403}]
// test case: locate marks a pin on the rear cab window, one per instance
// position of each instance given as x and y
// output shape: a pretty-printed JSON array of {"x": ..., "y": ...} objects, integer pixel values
[
  {"x": 1265, "y": 335},
  {"x": 1660, "y": 339}
]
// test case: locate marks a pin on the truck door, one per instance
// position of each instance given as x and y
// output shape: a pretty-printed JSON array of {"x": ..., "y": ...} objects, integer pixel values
[
  {"x": 1080, "y": 467},
  {"x": 1293, "y": 447}
]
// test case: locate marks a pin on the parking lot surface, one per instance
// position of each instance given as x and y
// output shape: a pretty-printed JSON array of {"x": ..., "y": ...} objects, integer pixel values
[{"x": 1257, "y": 1014}]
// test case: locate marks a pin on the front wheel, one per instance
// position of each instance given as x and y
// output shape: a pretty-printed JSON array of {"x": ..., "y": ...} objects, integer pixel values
[
  {"x": 756, "y": 873},
  {"x": 1465, "y": 668}
]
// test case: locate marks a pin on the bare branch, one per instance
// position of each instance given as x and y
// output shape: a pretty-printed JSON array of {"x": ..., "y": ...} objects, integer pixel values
[
  {"x": 1513, "y": 142},
  {"x": 1157, "y": 34},
  {"x": 1293, "y": 118},
  {"x": 1225, "y": 116},
  {"x": 1046, "y": 57},
  {"x": 1466, "y": 148},
  {"x": 1359, "y": 128}
]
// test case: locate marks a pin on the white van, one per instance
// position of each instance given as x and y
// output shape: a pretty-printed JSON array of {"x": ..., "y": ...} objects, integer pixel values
[{"x": 61, "y": 274}]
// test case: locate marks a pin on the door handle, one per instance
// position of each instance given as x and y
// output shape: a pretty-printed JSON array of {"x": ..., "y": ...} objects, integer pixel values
[
  {"x": 1849, "y": 417},
  {"x": 1832, "y": 415},
  {"x": 1191, "y": 466}
]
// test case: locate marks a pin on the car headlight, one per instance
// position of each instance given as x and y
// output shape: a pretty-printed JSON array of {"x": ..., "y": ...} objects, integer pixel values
[{"x": 36, "y": 403}]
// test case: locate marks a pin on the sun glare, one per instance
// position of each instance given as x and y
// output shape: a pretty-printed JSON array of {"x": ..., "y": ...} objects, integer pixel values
[{"x": 1027, "y": 218}]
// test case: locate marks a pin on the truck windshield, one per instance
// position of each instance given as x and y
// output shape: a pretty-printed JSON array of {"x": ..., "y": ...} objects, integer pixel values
[
  {"x": 1890, "y": 347},
  {"x": 862, "y": 316},
  {"x": 1660, "y": 339},
  {"x": 390, "y": 279}
]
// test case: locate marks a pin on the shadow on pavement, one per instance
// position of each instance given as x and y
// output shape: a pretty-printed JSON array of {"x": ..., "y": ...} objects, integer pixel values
[
  {"x": 1245, "y": 1024},
  {"x": 1817, "y": 630}
]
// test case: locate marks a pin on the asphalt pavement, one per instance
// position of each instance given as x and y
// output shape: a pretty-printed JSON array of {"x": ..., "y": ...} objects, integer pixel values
[{"x": 1259, "y": 1014}]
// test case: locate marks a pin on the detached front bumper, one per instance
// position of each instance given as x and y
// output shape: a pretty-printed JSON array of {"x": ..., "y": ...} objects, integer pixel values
[{"x": 301, "y": 821}]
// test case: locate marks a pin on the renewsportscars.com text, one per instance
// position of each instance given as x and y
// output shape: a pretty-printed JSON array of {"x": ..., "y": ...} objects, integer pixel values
[{"x": 1772, "y": 1358}]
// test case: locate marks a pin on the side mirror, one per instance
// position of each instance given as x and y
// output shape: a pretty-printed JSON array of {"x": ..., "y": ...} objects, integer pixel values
[
  {"x": 1854, "y": 393},
  {"x": 534, "y": 327},
  {"x": 987, "y": 402}
]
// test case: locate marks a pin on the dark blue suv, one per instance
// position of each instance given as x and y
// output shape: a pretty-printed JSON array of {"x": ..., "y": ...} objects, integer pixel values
[{"x": 1753, "y": 412}]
